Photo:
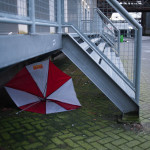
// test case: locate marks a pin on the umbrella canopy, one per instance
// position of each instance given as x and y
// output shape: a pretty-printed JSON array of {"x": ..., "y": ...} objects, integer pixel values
[{"x": 43, "y": 88}]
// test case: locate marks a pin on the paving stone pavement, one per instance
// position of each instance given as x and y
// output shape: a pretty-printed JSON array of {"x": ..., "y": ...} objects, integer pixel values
[
  {"x": 145, "y": 84},
  {"x": 94, "y": 126}
]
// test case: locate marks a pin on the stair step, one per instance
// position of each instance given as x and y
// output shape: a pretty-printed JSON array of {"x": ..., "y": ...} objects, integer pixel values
[
  {"x": 95, "y": 40},
  {"x": 95, "y": 57},
  {"x": 113, "y": 59},
  {"x": 85, "y": 46},
  {"x": 121, "y": 67},
  {"x": 101, "y": 46},
  {"x": 118, "y": 63},
  {"x": 106, "y": 67},
  {"x": 107, "y": 52}
]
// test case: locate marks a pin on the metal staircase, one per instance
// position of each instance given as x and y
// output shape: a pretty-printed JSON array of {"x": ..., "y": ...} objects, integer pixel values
[
  {"x": 97, "y": 54},
  {"x": 86, "y": 58}
]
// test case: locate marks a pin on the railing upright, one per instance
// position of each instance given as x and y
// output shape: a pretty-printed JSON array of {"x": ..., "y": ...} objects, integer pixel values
[
  {"x": 32, "y": 16},
  {"x": 59, "y": 17}
]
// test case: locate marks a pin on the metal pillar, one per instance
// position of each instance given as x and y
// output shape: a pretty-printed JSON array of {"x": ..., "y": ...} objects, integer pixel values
[
  {"x": 59, "y": 17},
  {"x": 32, "y": 16},
  {"x": 138, "y": 64}
]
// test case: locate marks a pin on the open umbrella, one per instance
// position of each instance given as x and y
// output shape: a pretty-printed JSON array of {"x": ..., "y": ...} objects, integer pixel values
[{"x": 43, "y": 88}]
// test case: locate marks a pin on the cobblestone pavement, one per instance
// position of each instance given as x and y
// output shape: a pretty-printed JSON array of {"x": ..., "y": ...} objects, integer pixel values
[
  {"x": 95, "y": 126},
  {"x": 145, "y": 84}
]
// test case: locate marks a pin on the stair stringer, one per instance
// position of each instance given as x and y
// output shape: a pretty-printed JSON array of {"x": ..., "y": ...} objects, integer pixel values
[{"x": 96, "y": 74}]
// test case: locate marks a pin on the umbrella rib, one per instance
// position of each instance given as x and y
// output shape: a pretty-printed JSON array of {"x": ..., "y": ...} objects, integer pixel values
[
  {"x": 28, "y": 107},
  {"x": 44, "y": 94},
  {"x": 45, "y": 88}
]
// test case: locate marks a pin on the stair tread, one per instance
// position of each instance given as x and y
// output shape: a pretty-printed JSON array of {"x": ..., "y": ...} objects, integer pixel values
[
  {"x": 101, "y": 46},
  {"x": 114, "y": 59},
  {"x": 118, "y": 63},
  {"x": 95, "y": 40},
  {"x": 95, "y": 56},
  {"x": 121, "y": 67},
  {"x": 85, "y": 46},
  {"x": 107, "y": 52}
]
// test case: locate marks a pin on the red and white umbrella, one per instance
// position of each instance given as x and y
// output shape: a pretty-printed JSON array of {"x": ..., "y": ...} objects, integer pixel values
[{"x": 43, "y": 88}]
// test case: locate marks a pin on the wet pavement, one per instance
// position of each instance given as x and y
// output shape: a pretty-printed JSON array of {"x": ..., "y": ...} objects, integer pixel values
[
  {"x": 145, "y": 84},
  {"x": 95, "y": 126}
]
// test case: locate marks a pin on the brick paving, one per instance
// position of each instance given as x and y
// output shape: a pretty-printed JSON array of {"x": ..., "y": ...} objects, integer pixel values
[
  {"x": 145, "y": 85},
  {"x": 94, "y": 126}
]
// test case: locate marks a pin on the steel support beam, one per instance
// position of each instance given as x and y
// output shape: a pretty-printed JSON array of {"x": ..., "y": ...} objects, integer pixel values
[
  {"x": 129, "y": 5},
  {"x": 59, "y": 17},
  {"x": 17, "y": 48},
  {"x": 32, "y": 16}
]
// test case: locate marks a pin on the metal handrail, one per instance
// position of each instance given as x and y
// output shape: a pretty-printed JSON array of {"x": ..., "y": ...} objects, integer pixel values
[{"x": 28, "y": 22}]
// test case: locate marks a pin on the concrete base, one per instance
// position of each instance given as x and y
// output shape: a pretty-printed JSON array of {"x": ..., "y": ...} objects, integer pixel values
[{"x": 129, "y": 118}]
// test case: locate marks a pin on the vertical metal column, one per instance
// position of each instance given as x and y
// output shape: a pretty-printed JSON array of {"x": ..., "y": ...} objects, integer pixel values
[
  {"x": 138, "y": 64},
  {"x": 135, "y": 48},
  {"x": 62, "y": 12},
  {"x": 59, "y": 17},
  {"x": 118, "y": 43},
  {"x": 32, "y": 15}
]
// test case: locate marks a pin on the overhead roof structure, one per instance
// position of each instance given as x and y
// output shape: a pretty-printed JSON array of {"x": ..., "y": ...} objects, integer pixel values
[{"x": 129, "y": 5}]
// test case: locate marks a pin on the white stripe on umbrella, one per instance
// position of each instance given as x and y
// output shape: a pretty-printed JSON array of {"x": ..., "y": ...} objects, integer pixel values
[
  {"x": 20, "y": 97},
  {"x": 65, "y": 94},
  {"x": 52, "y": 107},
  {"x": 39, "y": 72}
]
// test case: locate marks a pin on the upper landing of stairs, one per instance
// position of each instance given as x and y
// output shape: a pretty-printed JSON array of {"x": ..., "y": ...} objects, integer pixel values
[{"x": 17, "y": 48}]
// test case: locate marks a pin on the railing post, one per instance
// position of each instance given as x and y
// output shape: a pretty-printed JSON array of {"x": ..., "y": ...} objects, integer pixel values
[
  {"x": 32, "y": 15},
  {"x": 135, "y": 48},
  {"x": 59, "y": 15},
  {"x": 138, "y": 64},
  {"x": 118, "y": 43}
]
